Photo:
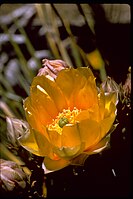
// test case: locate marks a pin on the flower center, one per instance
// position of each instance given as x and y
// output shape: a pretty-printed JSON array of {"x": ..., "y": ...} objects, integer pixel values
[
  {"x": 65, "y": 117},
  {"x": 63, "y": 121}
]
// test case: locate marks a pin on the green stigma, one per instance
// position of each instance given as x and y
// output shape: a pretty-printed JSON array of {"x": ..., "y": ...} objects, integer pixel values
[{"x": 63, "y": 121}]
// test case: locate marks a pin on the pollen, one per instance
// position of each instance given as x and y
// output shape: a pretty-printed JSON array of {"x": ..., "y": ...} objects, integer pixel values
[{"x": 65, "y": 117}]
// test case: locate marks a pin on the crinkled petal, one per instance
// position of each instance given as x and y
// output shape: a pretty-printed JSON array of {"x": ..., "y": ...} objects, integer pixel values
[
  {"x": 106, "y": 125},
  {"x": 89, "y": 88},
  {"x": 55, "y": 138},
  {"x": 36, "y": 117},
  {"x": 68, "y": 80},
  {"x": 86, "y": 72},
  {"x": 110, "y": 98},
  {"x": 83, "y": 115},
  {"x": 70, "y": 136},
  {"x": 29, "y": 143},
  {"x": 92, "y": 113},
  {"x": 95, "y": 113},
  {"x": 90, "y": 132},
  {"x": 108, "y": 120},
  {"x": 86, "y": 97},
  {"x": 100, "y": 146},
  {"x": 67, "y": 152},
  {"x": 36, "y": 143},
  {"x": 41, "y": 114},
  {"x": 78, "y": 87},
  {"x": 32, "y": 115},
  {"x": 51, "y": 89},
  {"x": 68, "y": 143},
  {"x": 55, "y": 164},
  {"x": 106, "y": 104},
  {"x": 79, "y": 160},
  {"x": 43, "y": 101},
  {"x": 101, "y": 104}
]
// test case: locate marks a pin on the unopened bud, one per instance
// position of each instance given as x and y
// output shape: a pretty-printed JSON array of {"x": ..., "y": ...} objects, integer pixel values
[
  {"x": 109, "y": 85},
  {"x": 127, "y": 85},
  {"x": 125, "y": 90},
  {"x": 51, "y": 68},
  {"x": 12, "y": 177},
  {"x": 15, "y": 128}
]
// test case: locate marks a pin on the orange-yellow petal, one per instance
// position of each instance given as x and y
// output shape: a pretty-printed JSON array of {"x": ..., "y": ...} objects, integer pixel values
[
  {"x": 86, "y": 72},
  {"x": 78, "y": 87},
  {"x": 83, "y": 115},
  {"x": 32, "y": 115},
  {"x": 51, "y": 89},
  {"x": 55, "y": 138},
  {"x": 70, "y": 136},
  {"x": 101, "y": 104},
  {"x": 91, "y": 113},
  {"x": 68, "y": 143},
  {"x": 110, "y": 98},
  {"x": 28, "y": 142},
  {"x": 68, "y": 80},
  {"x": 36, "y": 116},
  {"x": 106, "y": 125},
  {"x": 99, "y": 147},
  {"x": 67, "y": 152},
  {"x": 108, "y": 120},
  {"x": 43, "y": 116},
  {"x": 43, "y": 102},
  {"x": 55, "y": 164},
  {"x": 90, "y": 132},
  {"x": 104, "y": 102},
  {"x": 36, "y": 143},
  {"x": 80, "y": 159},
  {"x": 87, "y": 96}
]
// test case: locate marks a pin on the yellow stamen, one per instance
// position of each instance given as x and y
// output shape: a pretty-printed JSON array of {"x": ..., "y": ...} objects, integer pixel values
[{"x": 63, "y": 118}]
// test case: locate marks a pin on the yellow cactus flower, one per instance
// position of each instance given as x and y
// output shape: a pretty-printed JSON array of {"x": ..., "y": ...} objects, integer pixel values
[{"x": 69, "y": 117}]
